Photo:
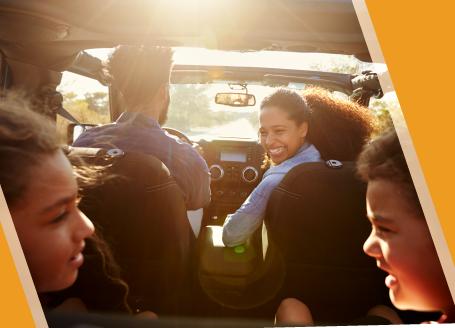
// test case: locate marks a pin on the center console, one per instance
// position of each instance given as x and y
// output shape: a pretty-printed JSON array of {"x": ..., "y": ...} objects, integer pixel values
[{"x": 235, "y": 169}]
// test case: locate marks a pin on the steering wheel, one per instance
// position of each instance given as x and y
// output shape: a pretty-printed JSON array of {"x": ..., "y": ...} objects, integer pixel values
[{"x": 177, "y": 133}]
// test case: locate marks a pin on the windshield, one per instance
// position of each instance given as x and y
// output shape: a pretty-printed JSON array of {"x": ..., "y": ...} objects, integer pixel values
[{"x": 193, "y": 109}]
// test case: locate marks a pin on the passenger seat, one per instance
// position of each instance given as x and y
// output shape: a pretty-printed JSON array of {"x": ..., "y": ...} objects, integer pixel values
[{"x": 316, "y": 219}]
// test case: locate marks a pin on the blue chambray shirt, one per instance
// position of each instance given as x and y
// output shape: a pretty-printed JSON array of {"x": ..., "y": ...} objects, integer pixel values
[
  {"x": 137, "y": 132},
  {"x": 239, "y": 226}
]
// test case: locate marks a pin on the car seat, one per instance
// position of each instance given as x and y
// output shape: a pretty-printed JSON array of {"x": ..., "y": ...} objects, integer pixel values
[
  {"x": 141, "y": 212},
  {"x": 316, "y": 219}
]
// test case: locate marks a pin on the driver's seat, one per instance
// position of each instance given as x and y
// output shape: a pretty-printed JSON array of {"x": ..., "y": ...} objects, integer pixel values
[{"x": 141, "y": 211}]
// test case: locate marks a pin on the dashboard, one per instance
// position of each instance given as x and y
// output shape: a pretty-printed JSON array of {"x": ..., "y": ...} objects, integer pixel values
[{"x": 235, "y": 169}]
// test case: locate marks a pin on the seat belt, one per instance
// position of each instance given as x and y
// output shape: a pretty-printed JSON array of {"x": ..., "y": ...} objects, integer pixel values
[{"x": 54, "y": 103}]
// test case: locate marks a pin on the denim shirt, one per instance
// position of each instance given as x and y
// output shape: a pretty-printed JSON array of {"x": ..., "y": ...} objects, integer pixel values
[
  {"x": 137, "y": 132},
  {"x": 239, "y": 226}
]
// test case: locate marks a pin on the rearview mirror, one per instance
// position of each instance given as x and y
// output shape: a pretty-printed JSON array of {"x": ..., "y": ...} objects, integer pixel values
[
  {"x": 74, "y": 131},
  {"x": 235, "y": 99}
]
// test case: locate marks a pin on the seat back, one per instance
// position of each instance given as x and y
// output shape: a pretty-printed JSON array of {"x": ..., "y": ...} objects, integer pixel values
[
  {"x": 141, "y": 212},
  {"x": 316, "y": 218}
]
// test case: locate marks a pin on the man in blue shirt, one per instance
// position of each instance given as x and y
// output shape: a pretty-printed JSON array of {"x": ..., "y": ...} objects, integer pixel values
[{"x": 142, "y": 74}]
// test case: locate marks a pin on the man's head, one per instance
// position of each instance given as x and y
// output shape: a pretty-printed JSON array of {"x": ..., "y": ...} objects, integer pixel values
[
  {"x": 400, "y": 240},
  {"x": 142, "y": 74}
]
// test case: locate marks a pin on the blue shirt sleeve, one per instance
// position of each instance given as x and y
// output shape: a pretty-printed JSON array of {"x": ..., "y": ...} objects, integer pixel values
[
  {"x": 239, "y": 226},
  {"x": 186, "y": 166},
  {"x": 191, "y": 175}
]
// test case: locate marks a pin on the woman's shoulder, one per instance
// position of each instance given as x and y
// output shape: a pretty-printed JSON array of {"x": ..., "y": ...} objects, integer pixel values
[{"x": 307, "y": 155}]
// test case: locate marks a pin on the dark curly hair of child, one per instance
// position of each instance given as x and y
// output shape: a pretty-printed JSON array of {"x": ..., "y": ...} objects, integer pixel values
[{"x": 384, "y": 159}]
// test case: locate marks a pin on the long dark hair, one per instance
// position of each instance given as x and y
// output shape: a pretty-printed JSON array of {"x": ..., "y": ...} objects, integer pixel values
[
  {"x": 338, "y": 128},
  {"x": 99, "y": 284},
  {"x": 26, "y": 138}
]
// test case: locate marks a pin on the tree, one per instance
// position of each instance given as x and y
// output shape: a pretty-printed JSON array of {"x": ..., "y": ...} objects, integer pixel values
[
  {"x": 98, "y": 102},
  {"x": 79, "y": 109},
  {"x": 381, "y": 109},
  {"x": 253, "y": 118},
  {"x": 351, "y": 65},
  {"x": 190, "y": 108}
]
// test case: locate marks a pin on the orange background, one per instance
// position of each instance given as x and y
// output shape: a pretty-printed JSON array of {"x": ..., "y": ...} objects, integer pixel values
[
  {"x": 14, "y": 310},
  {"x": 416, "y": 39}
]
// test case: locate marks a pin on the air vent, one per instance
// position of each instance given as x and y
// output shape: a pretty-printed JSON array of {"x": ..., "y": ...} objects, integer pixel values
[{"x": 23, "y": 28}]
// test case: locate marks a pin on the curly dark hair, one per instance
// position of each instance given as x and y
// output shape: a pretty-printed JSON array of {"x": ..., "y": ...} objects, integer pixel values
[
  {"x": 383, "y": 159},
  {"x": 338, "y": 128},
  {"x": 139, "y": 71}
]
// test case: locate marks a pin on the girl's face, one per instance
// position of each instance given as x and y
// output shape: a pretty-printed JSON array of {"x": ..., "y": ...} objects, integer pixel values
[
  {"x": 402, "y": 246},
  {"x": 280, "y": 136},
  {"x": 50, "y": 227}
]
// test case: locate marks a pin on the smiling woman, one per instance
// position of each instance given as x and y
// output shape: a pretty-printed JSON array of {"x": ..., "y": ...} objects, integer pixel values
[{"x": 298, "y": 128}]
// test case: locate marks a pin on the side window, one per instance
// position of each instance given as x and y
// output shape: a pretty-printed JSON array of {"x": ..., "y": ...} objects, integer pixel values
[
  {"x": 382, "y": 108},
  {"x": 85, "y": 99}
]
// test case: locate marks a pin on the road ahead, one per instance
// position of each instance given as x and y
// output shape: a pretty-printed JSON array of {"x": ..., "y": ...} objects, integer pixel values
[{"x": 238, "y": 129}]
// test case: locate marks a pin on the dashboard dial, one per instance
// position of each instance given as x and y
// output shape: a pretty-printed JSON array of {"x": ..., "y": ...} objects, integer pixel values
[
  {"x": 216, "y": 172},
  {"x": 249, "y": 174}
]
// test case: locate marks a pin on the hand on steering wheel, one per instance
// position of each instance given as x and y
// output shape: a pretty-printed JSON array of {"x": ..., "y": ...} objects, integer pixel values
[
  {"x": 178, "y": 134},
  {"x": 184, "y": 138},
  {"x": 198, "y": 149}
]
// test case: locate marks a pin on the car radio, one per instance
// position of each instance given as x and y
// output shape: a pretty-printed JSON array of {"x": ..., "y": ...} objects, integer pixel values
[{"x": 233, "y": 163}]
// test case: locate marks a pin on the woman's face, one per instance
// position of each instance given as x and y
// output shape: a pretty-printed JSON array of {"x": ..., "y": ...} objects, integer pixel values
[
  {"x": 402, "y": 246},
  {"x": 280, "y": 136},
  {"x": 49, "y": 225}
]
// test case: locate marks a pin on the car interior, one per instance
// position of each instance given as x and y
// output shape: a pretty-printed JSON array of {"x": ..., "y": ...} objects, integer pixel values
[{"x": 310, "y": 245}]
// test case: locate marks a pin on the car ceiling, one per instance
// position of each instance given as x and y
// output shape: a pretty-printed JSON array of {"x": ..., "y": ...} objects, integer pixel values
[{"x": 51, "y": 33}]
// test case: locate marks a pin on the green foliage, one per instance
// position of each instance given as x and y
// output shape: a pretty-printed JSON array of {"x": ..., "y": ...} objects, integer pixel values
[
  {"x": 190, "y": 108},
  {"x": 381, "y": 109},
  {"x": 80, "y": 110},
  {"x": 98, "y": 102},
  {"x": 351, "y": 65},
  {"x": 253, "y": 118}
]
